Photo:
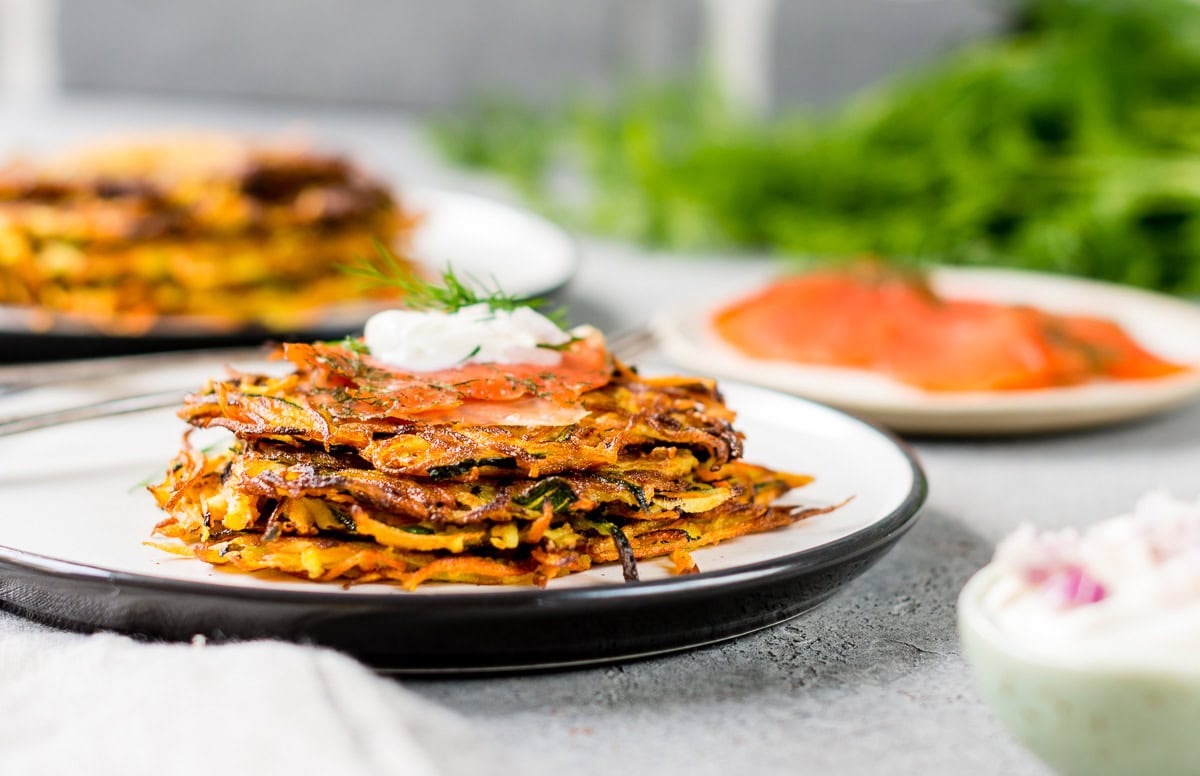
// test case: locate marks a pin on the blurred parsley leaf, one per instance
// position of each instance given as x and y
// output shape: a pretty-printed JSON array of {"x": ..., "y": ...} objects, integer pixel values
[{"x": 1071, "y": 144}]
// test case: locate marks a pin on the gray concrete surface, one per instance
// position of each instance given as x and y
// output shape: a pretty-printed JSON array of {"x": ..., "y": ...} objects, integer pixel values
[{"x": 871, "y": 683}]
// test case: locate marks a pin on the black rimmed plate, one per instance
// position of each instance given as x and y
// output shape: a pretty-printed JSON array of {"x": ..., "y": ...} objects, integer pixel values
[
  {"x": 73, "y": 521},
  {"x": 491, "y": 242}
]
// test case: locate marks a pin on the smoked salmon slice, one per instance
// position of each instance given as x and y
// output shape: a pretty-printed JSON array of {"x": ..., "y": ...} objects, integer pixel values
[
  {"x": 890, "y": 321},
  {"x": 354, "y": 384}
]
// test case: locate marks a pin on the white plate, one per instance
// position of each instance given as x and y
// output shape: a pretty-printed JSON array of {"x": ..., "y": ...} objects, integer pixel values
[
  {"x": 523, "y": 253},
  {"x": 73, "y": 521},
  {"x": 82, "y": 479},
  {"x": 1166, "y": 326}
]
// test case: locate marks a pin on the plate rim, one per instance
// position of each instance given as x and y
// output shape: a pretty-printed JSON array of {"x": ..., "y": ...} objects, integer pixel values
[{"x": 883, "y": 531}]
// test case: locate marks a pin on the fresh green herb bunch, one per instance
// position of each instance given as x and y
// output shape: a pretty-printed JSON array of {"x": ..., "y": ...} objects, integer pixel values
[{"x": 1071, "y": 144}]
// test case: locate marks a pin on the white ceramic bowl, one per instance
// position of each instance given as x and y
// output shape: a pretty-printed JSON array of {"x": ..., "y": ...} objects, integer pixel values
[{"x": 1085, "y": 716}]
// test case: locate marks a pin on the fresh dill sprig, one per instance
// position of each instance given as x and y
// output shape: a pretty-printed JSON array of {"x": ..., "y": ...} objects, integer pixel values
[
  {"x": 449, "y": 295},
  {"x": 350, "y": 343}
]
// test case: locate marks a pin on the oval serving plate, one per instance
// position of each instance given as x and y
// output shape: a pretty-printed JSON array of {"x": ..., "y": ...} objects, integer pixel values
[
  {"x": 73, "y": 520},
  {"x": 488, "y": 241},
  {"x": 1167, "y": 326}
]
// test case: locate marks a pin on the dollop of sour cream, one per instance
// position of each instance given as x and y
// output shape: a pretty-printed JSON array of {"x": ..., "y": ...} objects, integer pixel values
[
  {"x": 429, "y": 341},
  {"x": 1125, "y": 590}
]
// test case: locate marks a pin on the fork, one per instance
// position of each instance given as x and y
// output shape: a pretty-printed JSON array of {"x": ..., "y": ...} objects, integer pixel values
[
  {"x": 630, "y": 344},
  {"x": 19, "y": 379},
  {"x": 626, "y": 345}
]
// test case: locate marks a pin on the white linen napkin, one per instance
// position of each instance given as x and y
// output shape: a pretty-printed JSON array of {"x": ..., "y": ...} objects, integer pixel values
[{"x": 105, "y": 704}]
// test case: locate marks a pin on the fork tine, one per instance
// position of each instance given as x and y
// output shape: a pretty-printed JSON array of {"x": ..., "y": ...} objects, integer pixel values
[
  {"x": 25, "y": 377},
  {"x": 627, "y": 345},
  {"x": 631, "y": 343},
  {"x": 123, "y": 405}
]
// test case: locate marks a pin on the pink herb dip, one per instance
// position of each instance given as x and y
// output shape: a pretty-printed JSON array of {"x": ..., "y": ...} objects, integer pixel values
[{"x": 1127, "y": 588}]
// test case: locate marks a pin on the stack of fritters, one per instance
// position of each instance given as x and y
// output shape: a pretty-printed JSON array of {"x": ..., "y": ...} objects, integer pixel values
[
  {"x": 198, "y": 226},
  {"x": 334, "y": 475}
]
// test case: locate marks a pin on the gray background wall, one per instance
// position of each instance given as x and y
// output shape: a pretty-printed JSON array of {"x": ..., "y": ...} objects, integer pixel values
[{"x": 421, "y": 54}]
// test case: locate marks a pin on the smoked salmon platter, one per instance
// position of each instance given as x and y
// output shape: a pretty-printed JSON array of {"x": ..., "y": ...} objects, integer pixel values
[{"x": 953, "y": 350}]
